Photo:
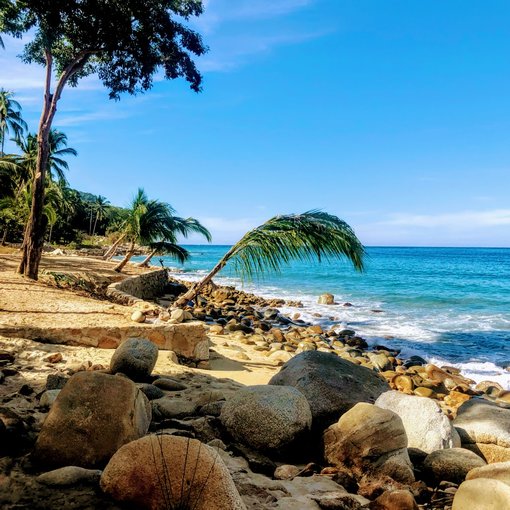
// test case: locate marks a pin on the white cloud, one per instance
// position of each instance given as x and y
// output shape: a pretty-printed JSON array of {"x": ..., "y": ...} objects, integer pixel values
[
  {"x": 66, "y": 119},
  {"x": 458, "y": 220}
]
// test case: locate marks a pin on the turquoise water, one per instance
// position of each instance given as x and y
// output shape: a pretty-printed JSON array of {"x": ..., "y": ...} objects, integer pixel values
[{"x": 450, "y": 305}]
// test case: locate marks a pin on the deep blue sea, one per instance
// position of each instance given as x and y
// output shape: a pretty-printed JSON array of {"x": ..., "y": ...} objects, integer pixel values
[{"x": 449, "y": 305}]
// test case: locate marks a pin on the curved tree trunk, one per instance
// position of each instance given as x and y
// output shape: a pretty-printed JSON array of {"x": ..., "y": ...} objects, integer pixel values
[
  {"x": 126, "y": 259},
  {"x": 197, "y": 287},
  {"x": 113, "y": 248},
  {"x": 145, "y": 263}
]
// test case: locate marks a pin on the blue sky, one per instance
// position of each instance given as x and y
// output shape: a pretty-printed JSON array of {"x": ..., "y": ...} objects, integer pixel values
[{"x": 393, "y": 115}]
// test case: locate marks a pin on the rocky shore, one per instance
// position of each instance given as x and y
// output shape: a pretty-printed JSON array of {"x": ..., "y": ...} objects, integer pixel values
[{"x": 288, "y": 416}]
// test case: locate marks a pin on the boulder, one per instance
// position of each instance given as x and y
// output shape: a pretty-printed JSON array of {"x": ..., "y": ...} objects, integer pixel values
[
  {"x": 173, "y": 408},
  {"x": 484, "y": 427},
  {"x": 48, "y": 397},
  {"x": 369, "y": 440},
  {"x": 331, "y": 384},
  {"x": 451, "y": 465},
  {"x": 267, "y": 417},
  {"x": 136, "y": 358},
  {"x": 166, "y": 471},
  {"x": 497, "y": 471},
  {"x": 426, "y": 426},
  {"x": 92, "y": 417},
  {"x": 326, "y": 299},
  {"x": 482, "y": 494}
]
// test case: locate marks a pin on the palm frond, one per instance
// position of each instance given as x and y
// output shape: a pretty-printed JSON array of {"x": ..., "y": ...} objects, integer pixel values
[
  {"x": 186, "y": 226},
  {"x": 313, "y": 235},
  {"x": 171, "y": 249}
]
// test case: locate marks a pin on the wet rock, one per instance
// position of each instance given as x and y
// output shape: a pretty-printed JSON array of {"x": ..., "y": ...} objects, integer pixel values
[
  {"x": 192, "y": 472},
  {"x": 482, "y": 494},
  {"x": 452, "y": 464},
  {"x": 93, "y": 416},
  {"x": 267, "y": 417},
  {"x": 136, "y": 358},
  {"x": 331, "y": 385},
  {"x": 484, "y": 427},
  {"x": 326, "y": 299},
  {"x": 69, "y": 475},
  {"x": 426, "y": 426},
  {"x": 371, "y": 440}
]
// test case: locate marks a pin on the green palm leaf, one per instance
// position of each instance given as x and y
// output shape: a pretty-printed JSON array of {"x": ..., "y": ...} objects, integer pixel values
[{"x": 313, "y": 235}]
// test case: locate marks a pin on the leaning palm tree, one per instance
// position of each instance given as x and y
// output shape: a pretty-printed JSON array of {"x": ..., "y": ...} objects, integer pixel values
[
  {"x": 183, "y": 226},
  {"x": 10, "y": 118},
  {"x": 313, "y": 235},
  {"x": 151, "y": 222}
]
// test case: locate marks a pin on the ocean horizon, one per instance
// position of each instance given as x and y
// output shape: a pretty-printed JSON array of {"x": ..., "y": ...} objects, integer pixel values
[{"x": 450, "y": 305}]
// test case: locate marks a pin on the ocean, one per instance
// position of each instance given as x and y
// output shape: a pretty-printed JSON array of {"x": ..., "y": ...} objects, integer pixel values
[{"x": 448, "y": 305}]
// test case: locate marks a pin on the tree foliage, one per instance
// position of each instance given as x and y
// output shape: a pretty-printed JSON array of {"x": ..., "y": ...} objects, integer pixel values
[{"x": 313, "y": 235}]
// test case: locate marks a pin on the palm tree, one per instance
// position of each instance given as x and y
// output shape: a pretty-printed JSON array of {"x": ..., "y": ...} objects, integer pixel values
[
  {"x": 183, "y": 226},
  {"x": 152, "y": 221},
  {"x": 101, "y": 207},
  {"x": 10, "y": 118},
  {"x": 313, "y": 235}
]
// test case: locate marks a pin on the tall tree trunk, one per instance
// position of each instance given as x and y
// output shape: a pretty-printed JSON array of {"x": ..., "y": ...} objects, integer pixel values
[
  {"x": 145, "y": 263},
  {"x": 113, "y": 248},
  {"x": 95, "y": 224},
  {"x": 36, "y": 226},
  {"x": 197, "y": 287},
  {"x": 3, "y": 142},
  {"x": 126, "y": 259}
]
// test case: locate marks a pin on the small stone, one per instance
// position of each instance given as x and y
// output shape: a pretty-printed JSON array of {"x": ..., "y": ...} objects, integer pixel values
[
  {"x": 54, "y": 358},
  {"x": 172, "y": 357},
  {"x": 395, "y": 500},
  {"x": 217, "y": 443},
  {"x": 173, "y": 408},
  {"x": 150, "y": 391},
  {"x": 56, "y": 381},
  {"x": 69, "y": 475},
  {"x": 286, "y": 472},
  {"x": 138, "y": 316},
  {"x": 169, "y": 384},
  {"x": 177, "y": 316},
  {"x": 217, "y": 329},
  {"x": 48, "y": 397}
]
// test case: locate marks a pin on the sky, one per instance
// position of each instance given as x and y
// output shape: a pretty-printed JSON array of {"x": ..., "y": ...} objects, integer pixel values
[{"x": 391, "y": 114}]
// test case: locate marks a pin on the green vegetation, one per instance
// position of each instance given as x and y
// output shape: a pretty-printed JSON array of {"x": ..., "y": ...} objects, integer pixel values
[
  {"x": 313, "y": 235},
  {"x": 125, "y": 43}
]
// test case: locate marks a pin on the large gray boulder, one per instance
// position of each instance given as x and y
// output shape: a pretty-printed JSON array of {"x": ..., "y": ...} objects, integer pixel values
[
  {"x": 331, "y": 384},
  {"x": 92, "y": 417},
  {"x": 267, "y": 417},
  {"x": 369, "y": 440},
  {"x": 484, "y": 427},
  {"x": 427, "y": 427},
  {"x": 167, "y": 471},
  {"x": 136, "y": 358}
]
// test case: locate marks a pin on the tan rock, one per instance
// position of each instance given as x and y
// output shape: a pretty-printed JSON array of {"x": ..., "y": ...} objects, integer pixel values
[
  {"x": 482, "y": 494},
  {"x": 395, "y": 500},
  {"x": 166, "y": 471},
  {"x": 368, "y": 439},
  {"x": 326, "y": 299},
  {"x": 497, "y": 471},
  {"x": 92, "y": 417},
  {"x": 286, "y": 472},
  {"x": 138, "y": 316}
]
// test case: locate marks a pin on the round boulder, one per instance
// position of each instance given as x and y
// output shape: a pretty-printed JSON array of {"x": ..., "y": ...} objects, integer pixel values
[
  {"x": 92, "y": 417},
  {"x": 451, "y": 465},
  {"x": 427, "y": 427},
  {"x": 267, "y": 417},
  {"x": 331, "y": 384},
  {"x": 167, "y": 471},
  {"x": 136, "y": 358},
  {"x": 482, "y": 494}
]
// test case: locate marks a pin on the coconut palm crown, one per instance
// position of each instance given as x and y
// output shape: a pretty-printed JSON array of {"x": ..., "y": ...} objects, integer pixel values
[{"x": 313, "y": 235}]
